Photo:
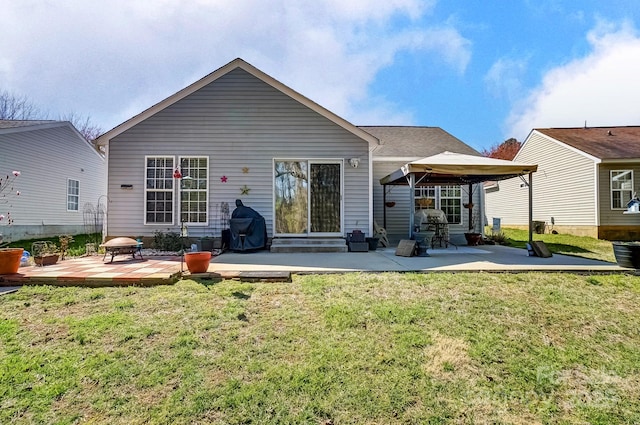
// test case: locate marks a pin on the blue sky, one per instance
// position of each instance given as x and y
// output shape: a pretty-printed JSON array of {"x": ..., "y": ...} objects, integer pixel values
[{"x": 482, "y": 70}]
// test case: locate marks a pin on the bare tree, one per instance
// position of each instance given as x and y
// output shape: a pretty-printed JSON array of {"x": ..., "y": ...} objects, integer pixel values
[
  {"x": 14, "y": 107},
  {"x": 89, "y": 130}
]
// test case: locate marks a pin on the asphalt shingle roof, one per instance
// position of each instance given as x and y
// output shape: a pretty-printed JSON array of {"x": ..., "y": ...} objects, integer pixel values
[
  {"x": 415, "y": 142},
  {"x": 600, "y": 142}
]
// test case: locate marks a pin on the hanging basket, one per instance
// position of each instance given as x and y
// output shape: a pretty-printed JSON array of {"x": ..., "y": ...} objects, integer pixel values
[
  {"x": 425, "y": 202},
  {"x": 390, "y": 204}
]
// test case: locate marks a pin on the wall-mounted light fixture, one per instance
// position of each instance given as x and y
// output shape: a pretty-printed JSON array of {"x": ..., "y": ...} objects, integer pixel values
[{"x": 354, "y": 162}]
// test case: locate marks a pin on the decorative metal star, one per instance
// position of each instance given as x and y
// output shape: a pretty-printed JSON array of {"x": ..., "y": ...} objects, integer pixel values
[
  {"x": 244, "y": 190},
  {"x": 245, "y": 170},
  {"x": 223, "y": 179}
]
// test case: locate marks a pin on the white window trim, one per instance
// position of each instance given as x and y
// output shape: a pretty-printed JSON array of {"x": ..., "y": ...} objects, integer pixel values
[
  {"x": 77, "y": 196},
  {"x": 172, "y": 190},
  {"x": 611, "y": 189},
  {"x": 206, "y": 190},
  {"x": 437, "y": 204}
]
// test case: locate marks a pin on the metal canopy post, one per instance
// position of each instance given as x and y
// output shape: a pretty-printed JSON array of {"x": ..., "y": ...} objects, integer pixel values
[
  {"x": 412, "y": 202},
  {"x": 384, "y": 206},
  {"x": 471, "y": 229},
  {"x": 530, "y": 208}
]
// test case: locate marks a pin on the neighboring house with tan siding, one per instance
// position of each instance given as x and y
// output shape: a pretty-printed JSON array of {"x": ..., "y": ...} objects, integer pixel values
[
  {"x": 586, "y": 176},
  {"x": 401, "y": 145},
  {"x": 240, "y": 134},
  {"x": 61, "y": 174}
]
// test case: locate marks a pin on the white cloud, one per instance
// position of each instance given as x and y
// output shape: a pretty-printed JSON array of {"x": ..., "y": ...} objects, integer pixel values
[
  {"x": 601, "y": 88},
  {"x": 112, "y": 59},
  {"x": 504, "y": 78}
]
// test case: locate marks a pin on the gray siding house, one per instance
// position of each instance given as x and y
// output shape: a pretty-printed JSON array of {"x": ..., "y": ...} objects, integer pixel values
[
  {"x": 238, "y": 134},
  {"x": 585, "y": 178},
  {"x": 61, "y": 175}
]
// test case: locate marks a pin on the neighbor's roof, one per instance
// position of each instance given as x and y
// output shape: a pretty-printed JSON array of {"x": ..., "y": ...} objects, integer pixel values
[
  {"x": 235, "y": 64},
  {"x": 452, "y": 167},
  {"x": 414, "y": 142},
  {"x": 22, "y": 123},
  {"x": 600, "y": 142}
]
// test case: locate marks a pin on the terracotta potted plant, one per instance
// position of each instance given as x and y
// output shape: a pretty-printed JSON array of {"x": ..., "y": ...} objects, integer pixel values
[
  {"x": 10, "y": 260},
  {"x": 9, "y": 257},
  {"x": 198, "y": 261}
]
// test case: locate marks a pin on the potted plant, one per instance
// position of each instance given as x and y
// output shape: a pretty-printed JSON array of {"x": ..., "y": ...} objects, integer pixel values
[
  {"x": 197, "y": 261},
  {"x": 9, "y": 257},
  {"x": 627, "y": 254},
  {"x": 45, "y": 253},
  {"x": 65, "y": 240},
  {"x": 473, "y": 238}
]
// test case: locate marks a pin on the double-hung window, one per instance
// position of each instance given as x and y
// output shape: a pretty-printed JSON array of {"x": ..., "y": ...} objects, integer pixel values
[
  {"x": 73, "y": 194},
  {"x": 446, "y": 198},
  {"x": 621, "y": 188},
  {"x": 158, "y": 206},
  {"x": 194, "y": 190}
]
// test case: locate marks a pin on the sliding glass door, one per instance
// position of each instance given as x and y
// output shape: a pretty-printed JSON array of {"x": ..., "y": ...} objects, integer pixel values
[{"x": 308, "y": 197}]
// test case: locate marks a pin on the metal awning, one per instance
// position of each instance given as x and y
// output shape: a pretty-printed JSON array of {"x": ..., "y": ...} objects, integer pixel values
[{"x": 457, "y": 168}]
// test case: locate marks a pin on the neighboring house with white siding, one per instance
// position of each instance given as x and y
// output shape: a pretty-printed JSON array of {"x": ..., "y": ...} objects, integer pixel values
[
  {"x": 401, "y": 145},
  {"x": 60, "y": 174},
  {"x": 240, "y": 134},
  {"x": 586, "y": 176}
]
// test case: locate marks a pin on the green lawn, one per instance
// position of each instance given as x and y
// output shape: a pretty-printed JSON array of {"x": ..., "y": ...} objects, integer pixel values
[
  {"x": 327, "y": 349},
  {"x": 581, "y": 246}
]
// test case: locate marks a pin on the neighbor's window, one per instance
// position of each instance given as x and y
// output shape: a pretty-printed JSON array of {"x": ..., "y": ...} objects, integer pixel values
[
  {"x": 158, "y": 206},
  {"x": 621, "y": 188},
  {"x": 73, "y": 194},
  {"x": 194, "y": 190}
]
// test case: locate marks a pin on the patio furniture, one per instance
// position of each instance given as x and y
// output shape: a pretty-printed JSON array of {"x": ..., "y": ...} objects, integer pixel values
[
  {"x": 122, "y": 246},
  {"x": 432, "y": 220},
  {"x": 381, "y": 234}
]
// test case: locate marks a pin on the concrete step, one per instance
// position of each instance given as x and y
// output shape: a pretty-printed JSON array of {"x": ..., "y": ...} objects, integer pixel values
[{"x": 284, "y": 245}]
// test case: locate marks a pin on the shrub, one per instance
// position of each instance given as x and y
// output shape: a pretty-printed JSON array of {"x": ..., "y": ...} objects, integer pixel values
[{"x": 169, "y": 241}]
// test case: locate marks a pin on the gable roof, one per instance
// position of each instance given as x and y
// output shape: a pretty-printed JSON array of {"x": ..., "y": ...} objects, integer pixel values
[
  {"x": 235, "y": 64},
  {"x": 8, "y": 127},
  {"x": 415, "y": 142},
  {"x": 605, "y": 143}
]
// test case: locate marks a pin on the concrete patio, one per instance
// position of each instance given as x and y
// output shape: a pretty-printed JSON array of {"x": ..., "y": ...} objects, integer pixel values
[{"x": 264, "y": 265}]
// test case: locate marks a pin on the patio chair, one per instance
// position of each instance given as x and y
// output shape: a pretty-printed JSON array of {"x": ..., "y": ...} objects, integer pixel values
[{"x": 380, "y": 233}]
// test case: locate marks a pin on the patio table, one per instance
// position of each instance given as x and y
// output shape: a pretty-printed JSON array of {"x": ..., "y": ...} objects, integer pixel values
[{"x": 119, "y": 246}]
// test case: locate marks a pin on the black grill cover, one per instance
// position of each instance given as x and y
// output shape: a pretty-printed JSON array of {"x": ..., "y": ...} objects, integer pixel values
[{"x": 248, "y": 229}]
